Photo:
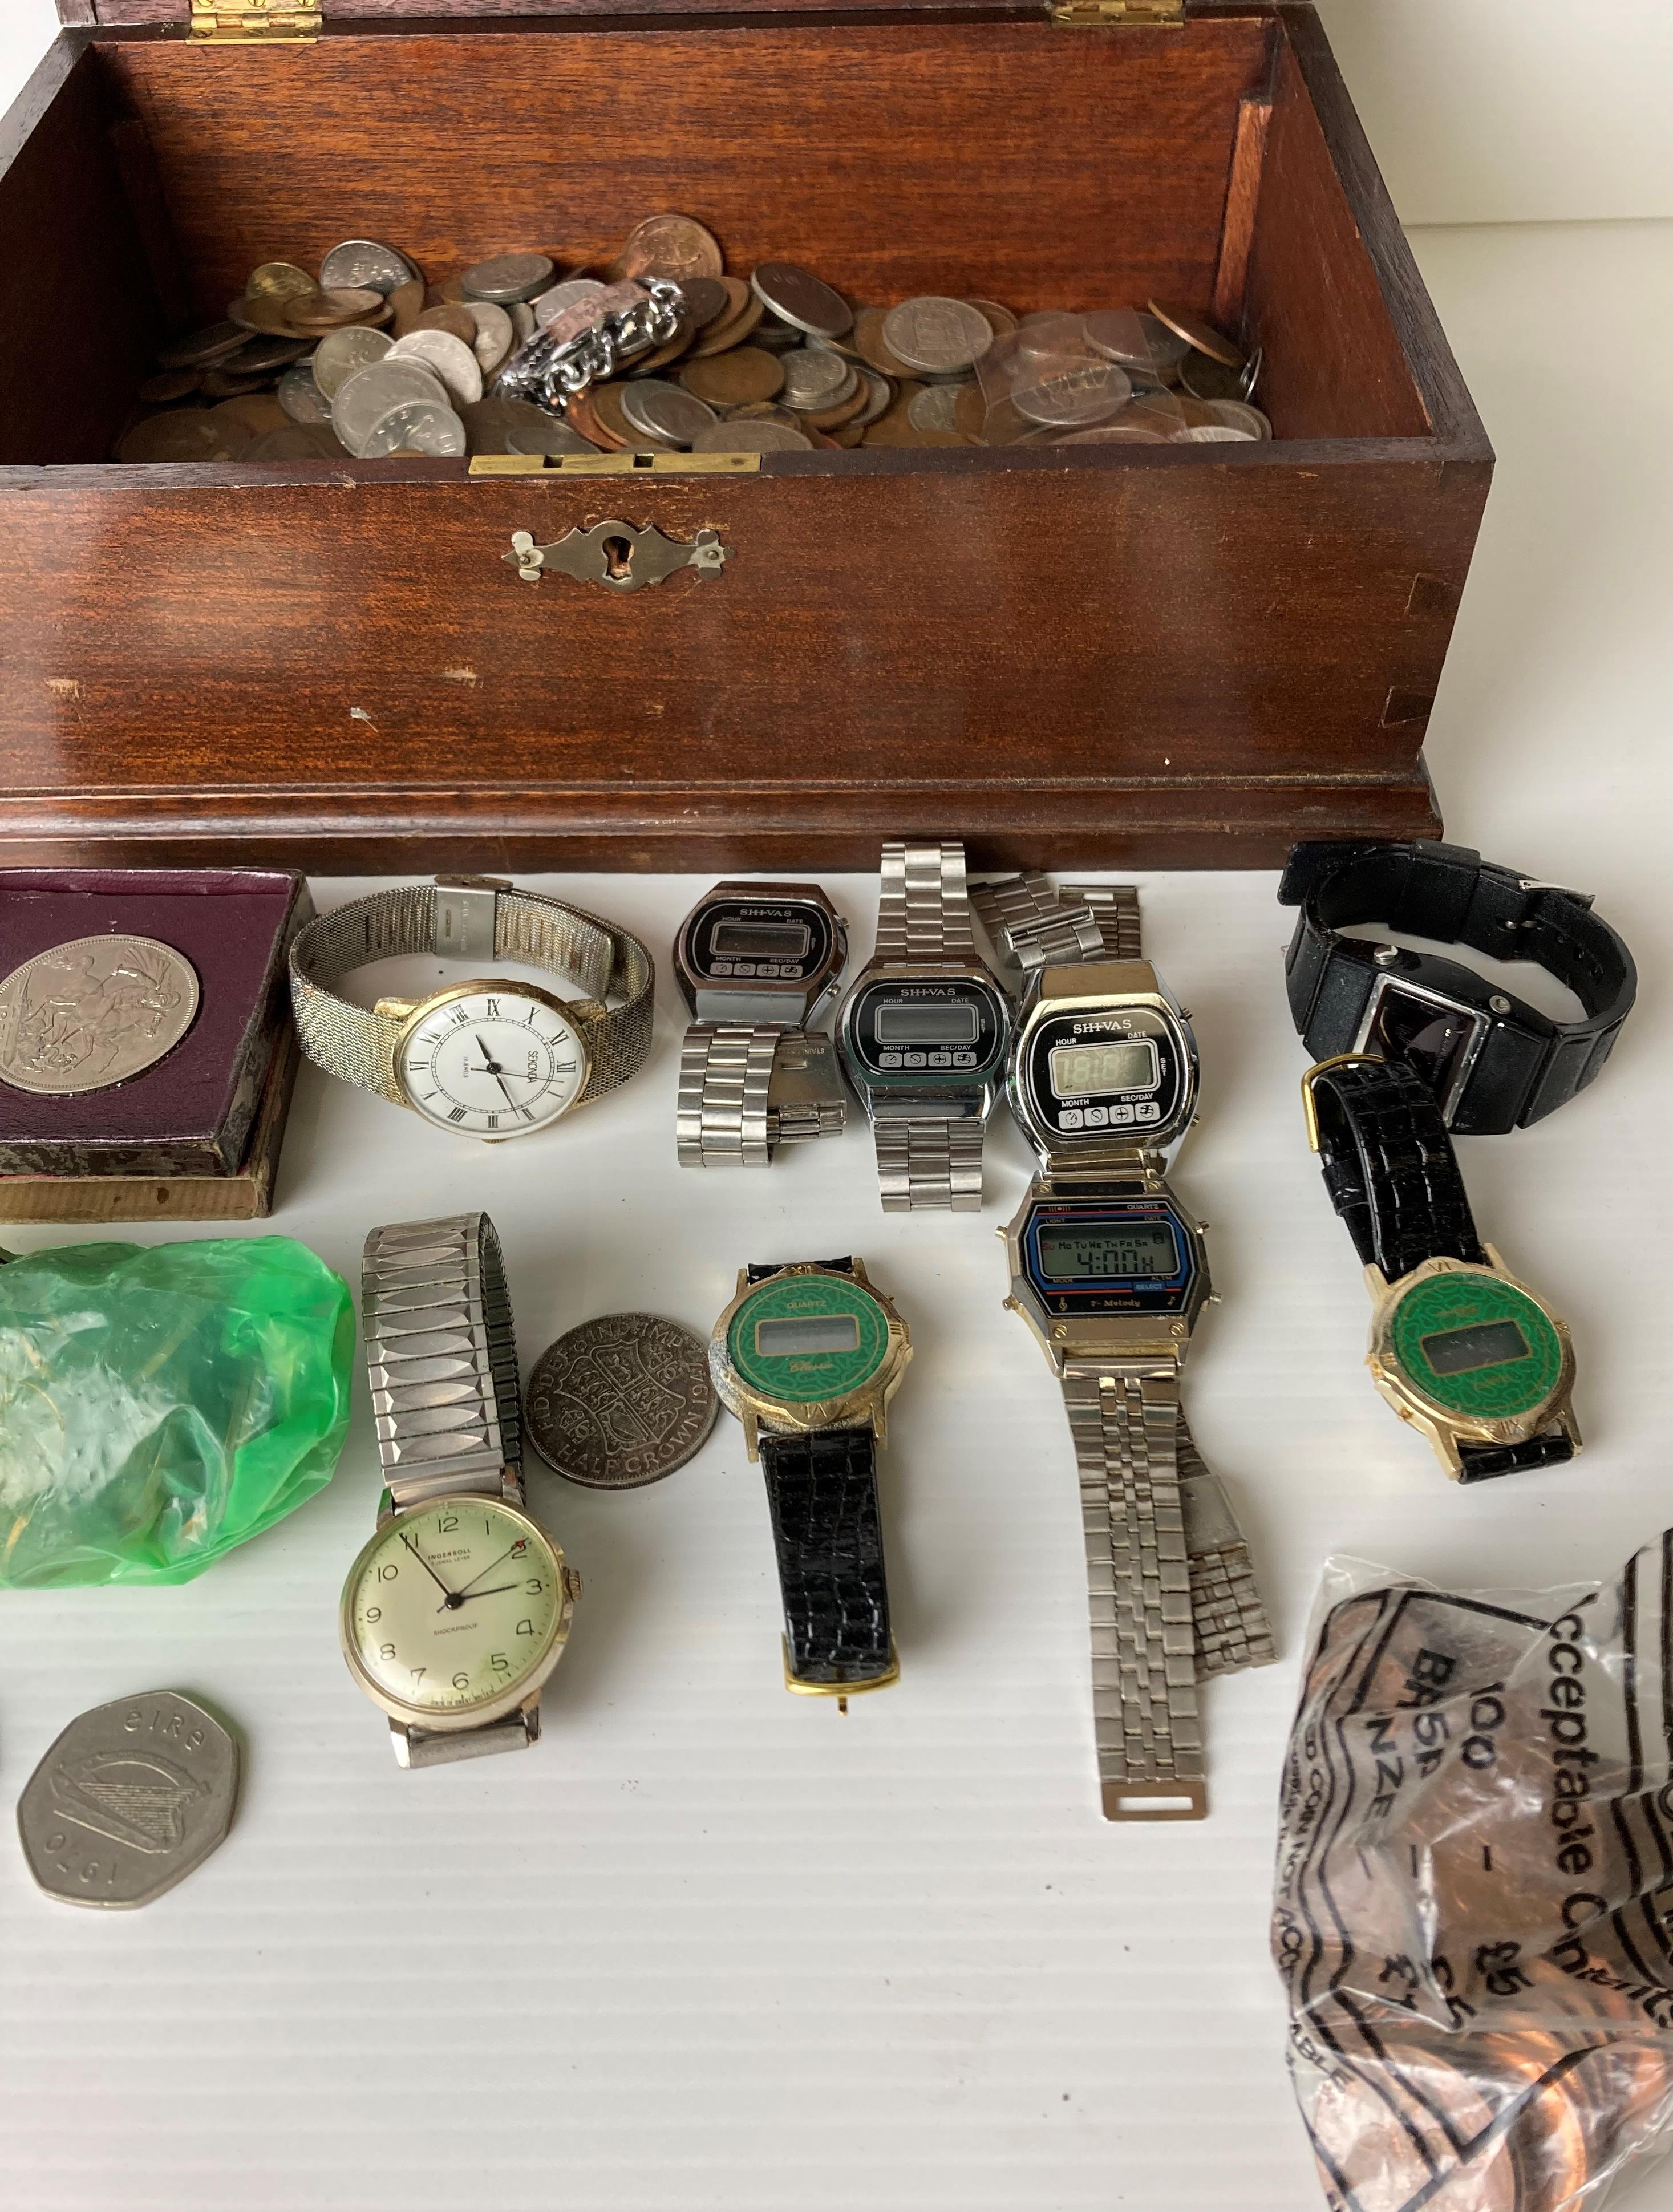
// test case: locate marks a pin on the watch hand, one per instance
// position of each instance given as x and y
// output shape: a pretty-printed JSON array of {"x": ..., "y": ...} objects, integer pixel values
[
  {"x": 452, "y": 1596},
  {"x": 488, "y": 1569},
  {"x": 491, "y": 1067},
  {"x": 465, "y": 1597}
]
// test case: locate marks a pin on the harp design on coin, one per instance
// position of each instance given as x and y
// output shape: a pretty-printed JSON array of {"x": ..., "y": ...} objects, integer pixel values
[
  {"x": 620, "y": 556},
  {"x": 140, "y": 1801}
]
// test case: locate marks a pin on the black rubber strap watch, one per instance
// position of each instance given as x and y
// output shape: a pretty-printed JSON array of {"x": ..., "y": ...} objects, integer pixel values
[
  {"x": 1459, "y": 1347},
  {"x": 1491, "y": 1061}
]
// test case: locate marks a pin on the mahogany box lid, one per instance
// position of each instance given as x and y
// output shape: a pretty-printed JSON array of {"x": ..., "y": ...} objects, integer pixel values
[{"x": 193, "y": 1111}]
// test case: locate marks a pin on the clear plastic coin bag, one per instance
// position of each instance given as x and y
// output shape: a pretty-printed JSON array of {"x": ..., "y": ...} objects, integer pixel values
[
  {"x": 1063, "y": 377},
  {"x": 159, "y": 1404},
  {"x": 1473, "y": 1917}
]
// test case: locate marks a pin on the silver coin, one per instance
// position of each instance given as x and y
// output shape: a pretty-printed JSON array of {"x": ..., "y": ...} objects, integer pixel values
[
  {"x": 130, "y": 1800},
  {"x": 496, "y": 335},
  {"x": 453, "y": 361},
  {"x": 753, "y": 437},
  {"x": 551, "y": 304},
  {"x": 941, "y": 336},
  {"x": 371, "y": 393},
  {"x": 1075, "y": 394},
  {"x": 1135, "y": 341},
  {"x": 667, "y": 410},
  {"x": 300, "y": 395},
  {"x": 933, "y": 409},
  {"x": 93, "y": 1012},
  {"x": 422, "y": 425},
  {"x": 1217, "y": 434},
  {"x": 360, "y": 264},
  {"x": 1238, "y": 414},
  {"x": 621, "y": 1401},
  {"x": 508, "y": 277},
  {"x": 879, "y": 399},
  {"x": 340, "y": 353},
  {"x": 816, "y": 379},
  {"x": 797, "y": 297}
]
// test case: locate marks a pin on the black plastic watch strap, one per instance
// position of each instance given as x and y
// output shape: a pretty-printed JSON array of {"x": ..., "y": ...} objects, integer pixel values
[
  {"x": 1389, "y": 1167},
  {"x": 821, "y": 1493},
  {"x": 1527, "y": 1064}
]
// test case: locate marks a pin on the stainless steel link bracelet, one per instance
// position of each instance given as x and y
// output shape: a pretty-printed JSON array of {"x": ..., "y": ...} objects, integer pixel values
[
  {"x": 923, "y": 908},
  {"x": 743, "y": 1091},
  {"x": 1125, "y": 1426},
  {"x": 442, "y": 1355},
  {"x": 923, "y": 1162},
  {"x": 1233, "y": 1631},
  {"x": 1035, "y": 925}
]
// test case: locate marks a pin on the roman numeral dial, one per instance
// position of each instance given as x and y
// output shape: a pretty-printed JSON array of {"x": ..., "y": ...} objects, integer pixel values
[{"x": 491, "y": 1064}]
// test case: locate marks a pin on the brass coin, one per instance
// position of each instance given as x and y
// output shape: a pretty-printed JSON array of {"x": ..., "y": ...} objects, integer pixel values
[
  {"x": 268, "y": 316},
  {"x": 172, "y": 384},
  {"x": 280, "y": 280},
  {"x": 1000, "y": 320},
  {"x": 872, "y": 348},
  {"x": 508, "y": 277},
  {"x": 730, "y": 330},
  {"x": 297, "y": 441},
  {"x": 745, "y": 373},
  {"x": 672, "y": 245},
  {"x": 706, "y": 298},
  {"x": 796, "y": 296},
  {"x": 743, "y": 437},
  {"x": 254, "y": 411},
  {"x": 189, "y": 433},
  {"x": 581, "y": 410},
  {"x": 458, "y": 322},
  {"x": 406, "y": 303},
  {"x": 201, "y": 347},
  {"x": 1199, "y": 332}
]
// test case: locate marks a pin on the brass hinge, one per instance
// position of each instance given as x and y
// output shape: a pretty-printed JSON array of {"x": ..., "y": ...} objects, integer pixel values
[
  {"x": 255, "y": 22},
  {"x": 614, "y": 465},
  {"x": 1102, "y": 14}
]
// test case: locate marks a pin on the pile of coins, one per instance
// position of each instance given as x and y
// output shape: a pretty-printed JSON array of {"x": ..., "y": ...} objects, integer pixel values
[{"x": 368, "y": 361}]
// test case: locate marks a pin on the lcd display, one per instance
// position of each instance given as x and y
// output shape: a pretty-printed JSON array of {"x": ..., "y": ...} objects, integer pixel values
[
  {"x": 1108, "y": 1251},
  {"x": 782, "y": 1340},
  {"x": 1462, "y": 1351},
  {"x": 910, "y": 1022},
  {"x": 1085, "y": 1071},
  {"x": 760, "y": 940}
]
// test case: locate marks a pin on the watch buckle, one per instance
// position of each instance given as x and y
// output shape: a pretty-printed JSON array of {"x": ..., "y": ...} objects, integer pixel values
[
  {"x": 1156, "y": 1801},
  {"x": 804, "y": 1094},
  {"x": 1322, "y": 1068},
  {"x": 465, "y": 907},
  {"x": 841, "y": 1691}
]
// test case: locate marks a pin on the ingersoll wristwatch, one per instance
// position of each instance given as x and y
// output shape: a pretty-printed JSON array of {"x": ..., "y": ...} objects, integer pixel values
[
  {"x": 1110, "y": 1272},
  {"x": 1467, "y": 1353},
  {"x": 458, "y": 1608},
  {"x": 808, "y": 1356},
  {"x": 490, "y": 1058},
  {"x": 756, "y": 962},
  {"x": 923, "y": 1033}
]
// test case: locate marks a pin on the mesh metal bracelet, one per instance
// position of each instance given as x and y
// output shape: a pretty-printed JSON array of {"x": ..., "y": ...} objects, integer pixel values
[
  {"x": 442, "y": 1356},
  {"x": 925, "y": 1159},
  {"x": 1037, "y": 925},
  {"x": 727, "y": 1114},
  {"x": 469, "y": 918}
]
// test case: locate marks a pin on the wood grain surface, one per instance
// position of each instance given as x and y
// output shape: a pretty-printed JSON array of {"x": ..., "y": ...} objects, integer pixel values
[{"x": 1138, "y": 654}]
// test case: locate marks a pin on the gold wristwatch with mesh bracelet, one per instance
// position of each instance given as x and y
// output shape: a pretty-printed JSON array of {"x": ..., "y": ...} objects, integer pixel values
[
  {"x": 490, "y": 1058},
  {"x": 1109, "y": 1270}
]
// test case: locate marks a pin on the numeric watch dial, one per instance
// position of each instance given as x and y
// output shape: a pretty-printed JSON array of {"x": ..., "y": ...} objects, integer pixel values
[
  {"x": 492, "y": 1063},
  {"x": 453, "y": 1606}
]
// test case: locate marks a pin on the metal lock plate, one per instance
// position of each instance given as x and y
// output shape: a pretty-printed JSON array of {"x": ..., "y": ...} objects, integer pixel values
[{"x": 618, "y": 555}]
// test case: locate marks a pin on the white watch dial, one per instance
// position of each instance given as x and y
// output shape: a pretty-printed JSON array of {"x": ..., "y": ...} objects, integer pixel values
[
  {"x": 491, "y": 1061},
  {"x": 453, "y": 1606}
]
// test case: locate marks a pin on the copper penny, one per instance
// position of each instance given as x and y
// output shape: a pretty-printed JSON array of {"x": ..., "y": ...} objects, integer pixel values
[
  {"x": 842, "y": 412},
  {"x": 172, "y": 384},
  {"x": 200, "y": 347},
  {"x": 731, "y": 329},
  {"x": 706, "y": 298},
  {"x": 970, "y": 410},
  {"x": 745, "y": 373},
  {"x": 1000, "y": 320},
  {"x": 254, "y": 411},
  {"x": 458, "y": 322},
  {"x": 297, "y": 441},
  {"x": 265, "y": 315},
  {"x": 580, "y": 411},
  {"x": 189, "y": 433},
  {"x": 1199, "y": 332},
  {"x": 221, "y": 384},
  {"x": 673, "y": 246},
  {"x": 872, "y": 348},
  {"x": 406, "y": 303},
  {"x": 606, "y": 400}
]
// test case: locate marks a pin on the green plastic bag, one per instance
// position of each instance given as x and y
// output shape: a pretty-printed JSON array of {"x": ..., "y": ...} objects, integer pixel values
[{"x": 160, "y": 1403}]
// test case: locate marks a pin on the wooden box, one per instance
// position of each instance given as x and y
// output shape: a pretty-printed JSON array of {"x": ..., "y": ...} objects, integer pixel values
[{"x": 1160, "y": 655}]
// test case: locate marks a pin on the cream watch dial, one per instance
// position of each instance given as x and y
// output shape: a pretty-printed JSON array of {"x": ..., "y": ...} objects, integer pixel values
[
  {"x": 453, "y": 1606},
  {"x": 491, "y": 1062}
]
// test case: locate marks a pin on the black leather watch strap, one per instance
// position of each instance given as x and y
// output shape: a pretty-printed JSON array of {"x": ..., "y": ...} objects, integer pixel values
[
  {"x": 821, "y": 1493},
  {"x": 1505, "y": 1064},
  {"x": 1389, "y": 1167}
]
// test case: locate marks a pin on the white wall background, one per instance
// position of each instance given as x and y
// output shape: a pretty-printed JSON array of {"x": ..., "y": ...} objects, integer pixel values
[{"x": 1480, "y": 111}]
